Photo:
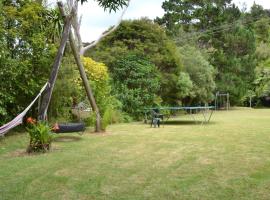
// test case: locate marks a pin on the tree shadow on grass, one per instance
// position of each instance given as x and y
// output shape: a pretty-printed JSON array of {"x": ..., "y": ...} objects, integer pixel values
[
  {"x": 186, "y": 123},
  {"x": 67, "y": 138}
]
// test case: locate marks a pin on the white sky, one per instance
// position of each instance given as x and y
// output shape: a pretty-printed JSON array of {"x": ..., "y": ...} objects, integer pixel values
[{"x": 95, "y": 20}]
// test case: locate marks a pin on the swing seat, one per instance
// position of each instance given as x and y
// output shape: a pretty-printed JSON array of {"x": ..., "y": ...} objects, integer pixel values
[{"x": 68, "y": 127}]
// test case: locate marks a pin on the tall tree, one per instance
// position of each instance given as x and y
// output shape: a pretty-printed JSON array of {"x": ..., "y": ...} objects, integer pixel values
[
  {"x": 146, "y": 39},
  {"x": 202, "y": 75},
  {"x": 223, "y": 33}
]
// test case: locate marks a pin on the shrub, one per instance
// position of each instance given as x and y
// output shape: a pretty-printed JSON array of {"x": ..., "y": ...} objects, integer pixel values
[
  {"x": 136, "y": 83},
  {"x": 40, "y": 137},
  {"x": 100, "y": 81},
  {"x": 65, "y": 91}
]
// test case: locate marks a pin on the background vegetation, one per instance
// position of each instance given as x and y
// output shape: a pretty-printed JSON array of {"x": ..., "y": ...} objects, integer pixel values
[{"x": 183, "y": 58}]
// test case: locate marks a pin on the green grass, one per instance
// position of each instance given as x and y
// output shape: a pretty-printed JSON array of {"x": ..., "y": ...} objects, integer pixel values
[{"x": 226, "y": 159}]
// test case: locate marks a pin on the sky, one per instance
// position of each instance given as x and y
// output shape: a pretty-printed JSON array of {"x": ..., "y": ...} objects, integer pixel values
[{"x": 95, "y": 20}]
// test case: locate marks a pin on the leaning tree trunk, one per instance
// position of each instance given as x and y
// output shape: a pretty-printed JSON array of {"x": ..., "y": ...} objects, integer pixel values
[
  {"x": 46, "y": 98},
  {"x": 86, "y": 84}
]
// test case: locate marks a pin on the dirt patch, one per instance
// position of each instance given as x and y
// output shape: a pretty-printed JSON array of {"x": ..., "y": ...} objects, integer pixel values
[{"x": 23, "y": 153}]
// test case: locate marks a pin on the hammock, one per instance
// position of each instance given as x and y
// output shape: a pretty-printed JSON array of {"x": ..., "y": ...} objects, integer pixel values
[{"x": 19, "y": 119}]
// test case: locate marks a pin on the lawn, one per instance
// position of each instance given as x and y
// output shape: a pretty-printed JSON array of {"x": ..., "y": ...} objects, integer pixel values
[{"x": 226, "y": 159}]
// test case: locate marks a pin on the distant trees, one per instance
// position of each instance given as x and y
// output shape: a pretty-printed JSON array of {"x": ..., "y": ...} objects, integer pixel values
[
  {"x": 202, "y": 75},
  {"x": 184, "y": 75},
  {"x": 223, "y": 33},
  {"x": 261, "y": 27}
]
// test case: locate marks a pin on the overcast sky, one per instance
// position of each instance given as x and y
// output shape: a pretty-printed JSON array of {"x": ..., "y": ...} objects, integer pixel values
[{"x": 95, "y": 20}]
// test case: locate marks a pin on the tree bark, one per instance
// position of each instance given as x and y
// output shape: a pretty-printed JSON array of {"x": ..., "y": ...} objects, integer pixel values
[
  {"x": 86, "y": 83},
  {"x": 46, "y": 98}
]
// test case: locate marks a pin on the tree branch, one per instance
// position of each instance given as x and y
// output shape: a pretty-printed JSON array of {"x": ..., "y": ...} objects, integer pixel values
[{"x": 94, "y": 43}]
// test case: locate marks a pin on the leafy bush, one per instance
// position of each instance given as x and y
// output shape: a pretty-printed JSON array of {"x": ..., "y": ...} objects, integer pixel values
[
  {"x": 98, "y": 76},
  {"x": 145, "y": 38},
  {"x": 40, "y": 137},
  {"x": 100, "y": 82},
  {"x": 201, "y": 74},
  {"x": 136, "y": 83},
  {"x": 25, "y": 57},
  {"x": 65, "y": 91}
]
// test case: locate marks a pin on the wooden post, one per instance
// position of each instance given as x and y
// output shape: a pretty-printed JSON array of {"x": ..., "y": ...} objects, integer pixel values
[
  {"x": 228, "y": 100},
  {"x": 46, "y": 98},
  {"x": 86, "y": 83},
  {"x": 216, "y": 101}
]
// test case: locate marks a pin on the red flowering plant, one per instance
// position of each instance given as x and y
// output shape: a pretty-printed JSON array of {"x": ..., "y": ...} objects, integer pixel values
[
  {"x": 40, "y": 136},
  {"x": 31, "y": 121}
]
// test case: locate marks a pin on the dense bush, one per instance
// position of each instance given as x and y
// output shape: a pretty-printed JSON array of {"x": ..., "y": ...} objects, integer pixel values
[
  {"x": 136, "y": 83},
  {"x": 201, "y": 73},
  {"x": 66, "y": 91},
  {"x": 100, "y": 82},
  {"x": 25, "y": 55},
  {"x": 144, "y": 38}
]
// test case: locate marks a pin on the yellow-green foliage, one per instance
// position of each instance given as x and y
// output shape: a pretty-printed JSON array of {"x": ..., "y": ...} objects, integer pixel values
[
  {"x": 98, "y": 76},
  {"x": 95, "y": 71}
]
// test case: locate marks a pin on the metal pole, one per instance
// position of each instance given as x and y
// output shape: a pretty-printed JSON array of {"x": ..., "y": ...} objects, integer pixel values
[{"x": 227, "y": 101}]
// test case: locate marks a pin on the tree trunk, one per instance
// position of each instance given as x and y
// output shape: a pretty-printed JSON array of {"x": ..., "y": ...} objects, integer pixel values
[
  {"x": 46, "y": 98},
  {"x": 86, "y": 84}
]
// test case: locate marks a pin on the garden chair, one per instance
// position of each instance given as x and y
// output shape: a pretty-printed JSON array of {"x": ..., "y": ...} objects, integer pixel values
[{"x": 156, "y": 118}]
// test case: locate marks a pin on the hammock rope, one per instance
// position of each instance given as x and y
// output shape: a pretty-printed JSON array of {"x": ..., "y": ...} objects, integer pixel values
[{"x": 19, "y": 119}]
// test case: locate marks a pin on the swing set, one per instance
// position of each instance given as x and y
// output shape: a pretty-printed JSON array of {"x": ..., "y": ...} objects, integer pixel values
[{"x": 222, "y": 101}]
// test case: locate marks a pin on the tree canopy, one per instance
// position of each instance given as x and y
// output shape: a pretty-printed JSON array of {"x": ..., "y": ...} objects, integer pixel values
[
  {"x": 224, "y": 32},
  {"x": 148, "y": 40},
  {"x": 25, "y": 56}
]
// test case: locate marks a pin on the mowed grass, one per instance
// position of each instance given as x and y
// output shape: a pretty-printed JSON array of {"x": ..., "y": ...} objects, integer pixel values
[{"x": 226, "y": 159}]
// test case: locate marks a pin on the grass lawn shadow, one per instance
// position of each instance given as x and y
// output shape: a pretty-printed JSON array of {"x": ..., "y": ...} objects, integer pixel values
[
  {"x": 186, "y": 123},
  {"x": 67, "y": 138}
]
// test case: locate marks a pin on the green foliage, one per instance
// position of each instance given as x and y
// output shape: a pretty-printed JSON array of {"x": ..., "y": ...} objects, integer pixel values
[
  {"x": 25, "y": 56},
  {"x": 262, "y": 51},
  {"x": 99, "y": 79},
  {"x": 40, "y": 138},
  {"x": 100, "y": 82},
  {"x": 110, "y": 4},
  {"x": 185, "y": 86},
  {"x": 200, "y": 14},
  {"x": 202, "y": 75},
  {"x": 136, "y": 83},
  {"x": 236, "y": 63},
  {"x": 231, "y": 46},
  {"x": 262, "y": 81},
  {"x": 146, "y": 39},
  {"x": 66, "y": 91},
  {"x": 262, "y": 29}
]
